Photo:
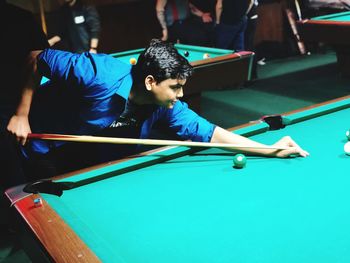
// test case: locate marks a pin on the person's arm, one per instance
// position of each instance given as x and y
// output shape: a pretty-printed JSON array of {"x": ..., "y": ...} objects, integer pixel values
[
  {"x": 93, "y": 22},
  {"x": 160, "y": 9},
  {"x": 93, "y": 45},
  {"x": 250, "y": 5},
  {"x": 221, "y": 135},
  {"x": 19, "y": 122},
  {"x": 218, "y": 10},
  {"x": 188, "y": 125},
  {"x": 205, "y": 16},
  {"x": 53, "y": 40}
]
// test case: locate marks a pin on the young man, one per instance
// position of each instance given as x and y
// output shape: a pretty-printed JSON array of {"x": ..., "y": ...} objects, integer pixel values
[{"x": 96, "y": 94}]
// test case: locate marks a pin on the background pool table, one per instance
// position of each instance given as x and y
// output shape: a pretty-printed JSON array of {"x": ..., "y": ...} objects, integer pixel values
[
  {"x": 223, "y": 69},
  {"x": 334, "y": 30},
  {"x": 181, "y": 205}
]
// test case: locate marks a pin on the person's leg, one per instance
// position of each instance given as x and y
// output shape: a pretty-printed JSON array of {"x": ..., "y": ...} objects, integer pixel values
[
  {"x": 11, "y": 161},
  {"x": 196, "y": 33},
  {"x": 174, "y": 32},
  {"x": 239, "y": 32},
  {"x": 209, "y": 29},
  {"x": 223, "y": 36},
  {"x": 11, "y": 174},
  {"x": 178, "y": 33},
  {"x": 249, "y": 43}
]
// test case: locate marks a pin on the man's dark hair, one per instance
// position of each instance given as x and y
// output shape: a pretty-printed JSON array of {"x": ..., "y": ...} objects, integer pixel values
[{"x": 161, "y": 60}]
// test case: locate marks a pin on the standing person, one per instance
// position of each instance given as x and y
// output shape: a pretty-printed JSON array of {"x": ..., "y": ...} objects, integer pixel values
[
  {"x": 79, "y": 27},
  {"x": 231, "y": 22},
  {"x": 252, "y": 20},
  {"x": 99, "y": 95},
  {"x": 174, "y": 17},
  {"x": 22, "y": 38}
]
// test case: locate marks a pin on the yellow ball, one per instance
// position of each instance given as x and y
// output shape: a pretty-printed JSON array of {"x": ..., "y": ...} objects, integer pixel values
[{"x": 133, "y": 61}]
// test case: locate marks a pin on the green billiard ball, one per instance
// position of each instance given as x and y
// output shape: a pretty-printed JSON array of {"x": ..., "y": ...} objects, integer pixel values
[
  {"x": 239, "y": 160},
  {"x": 348, "y": 134}
]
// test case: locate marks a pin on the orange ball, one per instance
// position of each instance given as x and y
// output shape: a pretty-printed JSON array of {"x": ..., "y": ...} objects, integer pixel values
[{"x": 133, "y": 61}]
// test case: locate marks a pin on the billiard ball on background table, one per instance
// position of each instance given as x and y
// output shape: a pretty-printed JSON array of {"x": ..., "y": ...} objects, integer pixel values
[
  {"x": 206, "y": 55},
  {"x": 239, "y": 160},
  {"x": 348, "y": 134},
  {"x": 133, "y": 61},
  {"x": 347, "y": 148},
  {"x": 186, "y": 53}
]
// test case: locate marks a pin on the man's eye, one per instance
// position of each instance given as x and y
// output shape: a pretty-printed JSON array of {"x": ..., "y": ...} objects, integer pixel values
[{"x": 176, "y": 87}]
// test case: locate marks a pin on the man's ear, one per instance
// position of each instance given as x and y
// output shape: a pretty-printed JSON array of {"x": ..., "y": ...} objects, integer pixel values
[{"x": 149, "y": 81}]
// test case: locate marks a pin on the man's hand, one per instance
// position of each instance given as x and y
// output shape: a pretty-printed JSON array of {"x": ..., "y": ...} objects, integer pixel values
[
  {"x": 165, "y": 34},
  {"x": 293, "y": 148},
  {"x": 52, "y": 41},
  {"x": 206, "y": 18},
  {"x": 19, "y": 126}
]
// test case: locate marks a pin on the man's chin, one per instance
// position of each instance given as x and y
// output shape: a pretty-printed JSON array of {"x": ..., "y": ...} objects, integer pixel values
[{"x": 170, "y": 106}]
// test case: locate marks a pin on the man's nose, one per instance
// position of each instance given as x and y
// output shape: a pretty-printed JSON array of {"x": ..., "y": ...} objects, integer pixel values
[{"x": 180, "y": 93}]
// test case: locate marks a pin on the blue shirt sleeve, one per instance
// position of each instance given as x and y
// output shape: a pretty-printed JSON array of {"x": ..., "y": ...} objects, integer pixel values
[
  {"x": 187, "y": 124},
  {"x": 95, "y": 75}
]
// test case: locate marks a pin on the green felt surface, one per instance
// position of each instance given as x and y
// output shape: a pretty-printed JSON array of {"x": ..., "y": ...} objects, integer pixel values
[
  {"x": 195, "y": 53},
  {"x": 340, "y": 17},
  {"x": 197, "y": 208}
]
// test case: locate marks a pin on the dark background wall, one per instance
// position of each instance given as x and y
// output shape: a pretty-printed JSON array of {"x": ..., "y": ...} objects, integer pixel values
[
  {"x": 126, "y": 24},
  {"x": 130, "y": 24}
]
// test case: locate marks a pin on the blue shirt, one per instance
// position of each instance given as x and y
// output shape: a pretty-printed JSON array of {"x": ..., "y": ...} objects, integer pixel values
[{"x": 87, "y": 92}]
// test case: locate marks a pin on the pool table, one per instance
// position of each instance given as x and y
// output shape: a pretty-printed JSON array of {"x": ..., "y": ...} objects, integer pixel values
[
  {"x": 178, "y": 205},
  {"x": 223, "y": 69},
  {"x": 333, "y": 29}
]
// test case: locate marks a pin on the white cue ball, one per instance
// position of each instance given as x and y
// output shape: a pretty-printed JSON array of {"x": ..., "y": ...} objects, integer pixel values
[{"x": 347, "y": 148}]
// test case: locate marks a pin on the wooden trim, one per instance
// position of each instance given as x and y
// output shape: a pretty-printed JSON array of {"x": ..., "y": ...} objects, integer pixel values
[
  {"x": 325, "y": 23},
  {"x": 316, "y": 105},
  {"x": 54, "y": 233},
  {"x": 237, "y": 55}
]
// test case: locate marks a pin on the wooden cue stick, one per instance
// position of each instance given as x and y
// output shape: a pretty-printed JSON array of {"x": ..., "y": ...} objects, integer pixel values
[
  {"x": 298, "y": 9},
  {"x": 42, "y": 16},
  {"x": 292, "y": 23},
  {"x": 114, "y": 140}
]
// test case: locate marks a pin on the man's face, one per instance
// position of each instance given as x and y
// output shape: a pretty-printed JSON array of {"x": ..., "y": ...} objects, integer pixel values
[{"x": 167, "y": 92}]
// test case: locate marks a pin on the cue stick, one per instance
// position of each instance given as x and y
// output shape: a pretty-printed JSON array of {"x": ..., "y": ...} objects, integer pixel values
[
  {"x": 298, "y": 9},
  {"x": 347, "y": 6},
  {"x": 114, "y": 140},
  {"x": 42, "y": 16},
  {"x": 292, "y": 23}
]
